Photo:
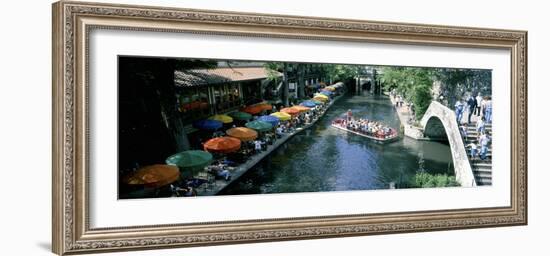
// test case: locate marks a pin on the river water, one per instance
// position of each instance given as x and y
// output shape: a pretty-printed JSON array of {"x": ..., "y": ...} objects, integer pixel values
[{"x": 323, "y": 158}]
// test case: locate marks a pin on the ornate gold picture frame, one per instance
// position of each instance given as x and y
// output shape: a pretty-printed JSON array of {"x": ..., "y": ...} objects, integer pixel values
[{"x": 72, "y": 24}]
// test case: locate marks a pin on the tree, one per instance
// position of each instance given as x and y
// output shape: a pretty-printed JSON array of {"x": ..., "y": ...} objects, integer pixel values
[
  {"x": 414, "y": 84},
  {"x": 456, "y": 83}
]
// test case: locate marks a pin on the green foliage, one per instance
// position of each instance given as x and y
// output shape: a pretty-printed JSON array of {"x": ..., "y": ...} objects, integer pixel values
[
  {"x": 426, "y": 180},
  {"x": 415, "y": 84},
  {"x": 273, "y": 70},
  {"x": 421, "y": 98},
  {"x": 456, "y": 83},
  {"x": 338, "y": 72}
]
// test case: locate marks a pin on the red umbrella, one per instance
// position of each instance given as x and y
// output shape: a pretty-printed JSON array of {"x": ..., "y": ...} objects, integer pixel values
[
  {"x": 253, "y": 109},
  {"x": 222, "y": 145}
]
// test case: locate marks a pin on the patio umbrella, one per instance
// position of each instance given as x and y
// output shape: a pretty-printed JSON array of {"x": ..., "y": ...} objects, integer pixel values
[
  {"x": 265, "y": 106},
  {"x": 274, "y": 121},
  {"x": 222, "y": 118},
  {"x": 253, "y": 109},
  {"x": 282, "y": 116},
  {"x": 260, "y": 126},
  {"x": 242, "y": 133},
  {"x": 301, "y": 108},
  {"x": 190, "y": 159},
  {"x": 308, "y": 103},
  {"x": 290, "y": 111},
  {"x": 321, "y": 97},
  {"x": 240, "y": 116},
  {"x": 222, "y": 145},
  {"x": 153, "y": 176},
  {"x": 209, "y": 125}
]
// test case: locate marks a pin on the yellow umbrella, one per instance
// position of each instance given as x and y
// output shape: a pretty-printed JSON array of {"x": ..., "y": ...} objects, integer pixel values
[
  {"x": 321, "y": 97},
  {"x": 330, "y": 88},
  {"x": 222, "y": 118},
  {"x": 282, "y": 116}
]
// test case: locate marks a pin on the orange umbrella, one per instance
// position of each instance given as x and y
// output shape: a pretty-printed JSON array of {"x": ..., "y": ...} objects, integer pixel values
[
  {"x": 301, "y": 108},
  {"x": 290, "y": 111},
  {"x": 242, "y": 133},
  {"x": 265, "y": 106},
  {"x": 253, "y": 109},
  {"x": 222, "y": 145},
  {"x": 153, "y": 176}
]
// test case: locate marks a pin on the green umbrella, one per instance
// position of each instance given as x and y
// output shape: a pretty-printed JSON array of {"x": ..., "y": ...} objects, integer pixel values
[
  {"x": 192, "y": 160},
  {"x": 260, "y": 126},
  {"x": 240, "y": 116}
]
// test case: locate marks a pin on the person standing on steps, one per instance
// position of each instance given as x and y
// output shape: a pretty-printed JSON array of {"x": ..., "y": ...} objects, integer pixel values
[
  {"x": 472, "y": 105},
  {"x": 478, "y": 103},
  {"x": 459, "y": 110},
  {"x": 489, "y": 110}
]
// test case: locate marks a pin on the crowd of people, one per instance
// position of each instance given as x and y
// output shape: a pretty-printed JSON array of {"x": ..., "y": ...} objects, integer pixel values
[
  {"x": 365, "y": 126},
  {"x": 479, "y": 106},
  {"x": 479, "y": 147}
]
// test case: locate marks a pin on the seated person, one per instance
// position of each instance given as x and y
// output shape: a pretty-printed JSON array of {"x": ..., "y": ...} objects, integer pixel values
[
  {"x": 221, "y": 172},
  {"x": 279, "y": 132}
]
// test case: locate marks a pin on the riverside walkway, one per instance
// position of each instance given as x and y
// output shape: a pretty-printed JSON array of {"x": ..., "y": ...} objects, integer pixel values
[
  {"x": 217, "y": 185},
  {"x": 405, "y": 116}
]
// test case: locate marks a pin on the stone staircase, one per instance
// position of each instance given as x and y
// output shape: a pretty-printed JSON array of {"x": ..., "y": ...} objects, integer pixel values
[{"x": 481, "y": 168}]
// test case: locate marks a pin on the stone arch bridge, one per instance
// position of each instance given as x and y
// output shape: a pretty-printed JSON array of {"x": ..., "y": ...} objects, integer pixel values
[{"x": 439, "y": 123}]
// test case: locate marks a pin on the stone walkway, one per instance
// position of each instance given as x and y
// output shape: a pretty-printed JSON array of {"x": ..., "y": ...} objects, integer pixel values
[{"x": 407, "y": 120}]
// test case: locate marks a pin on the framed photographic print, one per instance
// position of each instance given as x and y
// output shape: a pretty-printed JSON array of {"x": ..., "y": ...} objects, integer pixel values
[{"x": 179, "y": 127}]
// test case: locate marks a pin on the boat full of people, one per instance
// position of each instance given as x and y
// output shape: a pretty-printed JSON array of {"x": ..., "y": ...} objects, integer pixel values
[{"x": 370, "y": 129}]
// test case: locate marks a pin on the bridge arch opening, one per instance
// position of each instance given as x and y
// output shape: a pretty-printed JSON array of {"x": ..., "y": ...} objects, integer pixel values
[{"x": 435, "y": 130}]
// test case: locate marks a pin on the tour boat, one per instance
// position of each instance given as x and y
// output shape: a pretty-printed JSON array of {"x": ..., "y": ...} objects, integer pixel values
[{"x": 338, "y": 124}]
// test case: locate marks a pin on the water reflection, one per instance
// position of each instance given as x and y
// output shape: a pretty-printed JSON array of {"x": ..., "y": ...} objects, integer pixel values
[{"x": 326, "y": 159}]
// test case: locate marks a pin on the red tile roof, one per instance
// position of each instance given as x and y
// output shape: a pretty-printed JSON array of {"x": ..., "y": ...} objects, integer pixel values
[{"x": 199, "y": 77}]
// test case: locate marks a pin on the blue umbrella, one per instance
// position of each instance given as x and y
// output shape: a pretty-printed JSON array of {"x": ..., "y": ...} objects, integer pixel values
[
  {"x": 209, "y": 125},
  {"x": 308, "y": 103},
  {"x": 269, "y": 119}
]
